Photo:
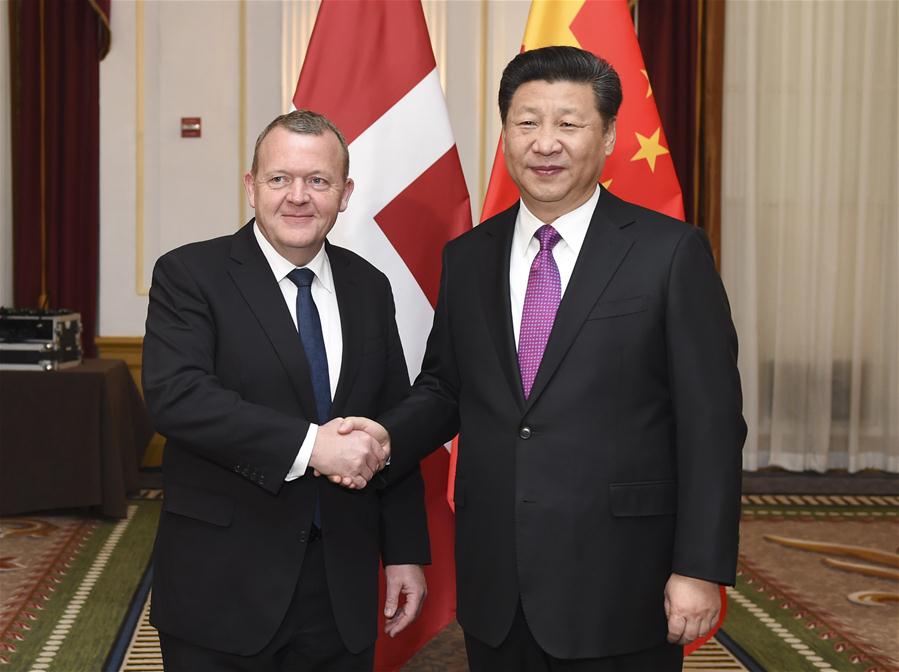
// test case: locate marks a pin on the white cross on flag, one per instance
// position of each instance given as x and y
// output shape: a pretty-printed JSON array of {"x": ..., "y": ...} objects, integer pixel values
[{"x": 370, "y": 69}]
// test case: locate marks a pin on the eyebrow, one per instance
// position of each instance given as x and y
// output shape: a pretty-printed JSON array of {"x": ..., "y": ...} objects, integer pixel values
[
  {"x": 308, "y": 173},
  {"x": 535, "y": 110}
]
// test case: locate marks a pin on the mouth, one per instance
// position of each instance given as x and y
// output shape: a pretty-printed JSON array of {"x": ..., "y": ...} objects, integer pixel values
[
  {"x": 547, "y": 171},
  {"x": 296, "y": 217}
]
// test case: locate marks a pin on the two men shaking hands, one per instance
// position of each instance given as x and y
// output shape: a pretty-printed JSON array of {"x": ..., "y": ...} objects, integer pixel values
[{"x": 582, "y": 349}]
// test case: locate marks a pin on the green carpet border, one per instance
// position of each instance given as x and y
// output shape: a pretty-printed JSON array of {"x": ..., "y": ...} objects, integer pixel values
[
  {"x": 82, "y": 640},
  {"x": 814, "y": 629}
]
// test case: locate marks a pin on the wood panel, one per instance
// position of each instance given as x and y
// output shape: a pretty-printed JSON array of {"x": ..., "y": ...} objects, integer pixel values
[{"x": 130, "y": 349}]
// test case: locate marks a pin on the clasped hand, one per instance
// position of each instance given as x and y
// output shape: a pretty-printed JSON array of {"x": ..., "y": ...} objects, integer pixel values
[
  {"x": 348, "y": 455},
  {"x": 692, "y": 607}
]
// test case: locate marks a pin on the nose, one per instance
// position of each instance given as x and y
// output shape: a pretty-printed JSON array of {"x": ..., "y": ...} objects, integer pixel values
[
  {"x": 546, "y": 141},
  {"x": 298, "y": 193}
]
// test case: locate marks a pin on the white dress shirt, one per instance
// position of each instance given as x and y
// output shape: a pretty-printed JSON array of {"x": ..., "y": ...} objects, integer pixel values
[
  {"x": 572, "y": 226},
  {"x": 325, "y": 298}
]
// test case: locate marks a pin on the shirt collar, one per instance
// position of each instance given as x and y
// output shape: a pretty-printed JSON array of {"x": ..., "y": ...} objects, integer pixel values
[
  {"x": 319, "y": 265},
  {"x": 572, "y": 226}
]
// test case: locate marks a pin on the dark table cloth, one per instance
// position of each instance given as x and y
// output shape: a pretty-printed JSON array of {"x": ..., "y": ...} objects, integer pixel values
[{"x": 71, "y": 438}]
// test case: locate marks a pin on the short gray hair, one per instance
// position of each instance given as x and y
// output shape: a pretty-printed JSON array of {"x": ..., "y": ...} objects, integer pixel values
[{"x": 304, "y": 122}]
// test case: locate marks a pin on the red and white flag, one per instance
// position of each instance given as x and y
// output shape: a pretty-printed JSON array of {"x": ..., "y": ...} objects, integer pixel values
[{"x": 370, "y": 69}]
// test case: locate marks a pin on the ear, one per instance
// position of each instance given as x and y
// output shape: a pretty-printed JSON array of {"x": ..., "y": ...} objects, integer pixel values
[
  {"x": 249, "y": 184},
  {"x": 608, "y": 139},
  {"x": 502, "y": 140},
  {"x": 347, "y": 192}
]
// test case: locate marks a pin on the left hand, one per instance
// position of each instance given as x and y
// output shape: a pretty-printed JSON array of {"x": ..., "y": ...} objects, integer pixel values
[
  {"x": 692, "y": 607},
  {"x": 408, "y": 581}
]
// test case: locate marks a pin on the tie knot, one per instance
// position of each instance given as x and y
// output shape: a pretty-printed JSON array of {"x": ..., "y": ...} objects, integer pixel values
[
  {"x": 301, "y": 277},
  {"x": 548, "y": 237}
]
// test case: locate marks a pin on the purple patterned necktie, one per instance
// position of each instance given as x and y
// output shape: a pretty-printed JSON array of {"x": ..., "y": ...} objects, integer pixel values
[{"x": 541, "y": 301}]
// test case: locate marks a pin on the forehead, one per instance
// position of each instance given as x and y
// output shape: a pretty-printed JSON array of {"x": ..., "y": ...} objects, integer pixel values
[
  {"x": 283, "y": 149},
  {"x": 554, "y": 97}
]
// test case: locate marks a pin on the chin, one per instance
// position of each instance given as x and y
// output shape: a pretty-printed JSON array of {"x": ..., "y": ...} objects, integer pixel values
[{"x": 545, "y": 196}]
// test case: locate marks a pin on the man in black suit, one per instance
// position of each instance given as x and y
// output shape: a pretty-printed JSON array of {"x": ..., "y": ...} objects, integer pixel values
[
  {"x": 256, "y": 343},
  {"x": 583, "y": 349}
]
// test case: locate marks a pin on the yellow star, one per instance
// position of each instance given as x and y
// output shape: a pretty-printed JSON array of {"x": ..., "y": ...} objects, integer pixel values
[
  {"x": 648, "y": 83},
  {"x": 607, "y": 183},
  {"x": 549, "y": 22},
  {"x": 650, "y": 149}
]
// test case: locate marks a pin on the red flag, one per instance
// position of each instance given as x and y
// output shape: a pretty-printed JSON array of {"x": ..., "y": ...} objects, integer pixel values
[
  {"x": 410, "y": 198},
  {"x": 640, "y": 170}
]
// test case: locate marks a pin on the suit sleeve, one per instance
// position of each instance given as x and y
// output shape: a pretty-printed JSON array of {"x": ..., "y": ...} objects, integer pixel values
[
  {"x": 187, "y": 401},
  {"x": 429, "y": 417},
  {"x": 404, "y": 521},
  {"x": 707, "y": 400}
]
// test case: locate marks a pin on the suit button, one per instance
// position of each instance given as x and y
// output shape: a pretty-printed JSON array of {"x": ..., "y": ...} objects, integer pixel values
[
  {"x": 304, "y": 536},
  {"x": 524, "y": 433}
]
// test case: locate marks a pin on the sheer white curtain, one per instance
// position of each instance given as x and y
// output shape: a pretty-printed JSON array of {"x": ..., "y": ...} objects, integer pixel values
[{"x": 810, "y": 233}]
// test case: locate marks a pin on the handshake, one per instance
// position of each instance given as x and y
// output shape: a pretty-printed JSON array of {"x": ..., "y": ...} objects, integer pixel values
[{"x": 350, "y": 451}]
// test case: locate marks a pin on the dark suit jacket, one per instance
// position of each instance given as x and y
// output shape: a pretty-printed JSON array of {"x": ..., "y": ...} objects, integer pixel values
[
  {"x": 622, "y": 466},
  {"x": 228, "y": 385}
]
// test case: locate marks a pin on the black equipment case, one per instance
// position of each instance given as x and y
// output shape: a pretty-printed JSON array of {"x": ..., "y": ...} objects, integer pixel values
[{"x": 39, "y": 340}]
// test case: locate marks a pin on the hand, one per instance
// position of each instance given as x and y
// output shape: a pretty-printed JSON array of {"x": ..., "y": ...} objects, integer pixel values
[
  {"x": 370, "y": 427},
  {"x": 692, "y": 607},
  {"x": 352, "y": 457},
  {"x": 409, "y": 581}
]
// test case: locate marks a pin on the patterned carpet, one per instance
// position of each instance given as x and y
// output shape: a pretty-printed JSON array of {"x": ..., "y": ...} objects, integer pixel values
[
  {"x": 67, "y": 582},
  {"x": 819, "y": 573},
  {"x": 817, "y": 590}
]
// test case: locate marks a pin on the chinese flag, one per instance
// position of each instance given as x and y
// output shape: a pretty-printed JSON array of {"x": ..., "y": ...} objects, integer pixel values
[
  {"x": 370, "y": 69},
  {"x": 640, "y": 170}
]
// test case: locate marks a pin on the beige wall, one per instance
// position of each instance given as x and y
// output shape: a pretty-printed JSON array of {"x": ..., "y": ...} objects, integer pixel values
[{"x": 235, "y": 63}]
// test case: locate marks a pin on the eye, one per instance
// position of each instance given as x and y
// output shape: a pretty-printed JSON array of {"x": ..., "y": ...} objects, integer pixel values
[
  {"x": 528, "y": 123},
  {"x": 568, "y": 124},
  {"x": 278, "y": 181},
  {"x": 318, "y": 182}
]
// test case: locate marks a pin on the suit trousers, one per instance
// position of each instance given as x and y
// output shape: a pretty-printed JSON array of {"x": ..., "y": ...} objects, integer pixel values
[
  {"x": 521, "y": 652},
  {"x": 306, "y": 641}
]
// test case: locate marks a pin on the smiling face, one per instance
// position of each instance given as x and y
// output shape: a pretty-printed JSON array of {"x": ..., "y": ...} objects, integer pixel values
[
  {"x": 298, "y": 190},
  {"x": 555, "y": 145}
]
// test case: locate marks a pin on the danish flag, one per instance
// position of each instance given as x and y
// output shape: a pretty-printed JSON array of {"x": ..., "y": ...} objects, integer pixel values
[{"x": 370, "y": 69}]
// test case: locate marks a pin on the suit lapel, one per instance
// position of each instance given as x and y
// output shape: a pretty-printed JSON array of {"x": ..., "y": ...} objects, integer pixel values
[
  {"x": 605, "y": 247},
  {"x": 494, "y": 291},
  {"x": 350, "y": 303},
  {"x": 255, "y": 281}
]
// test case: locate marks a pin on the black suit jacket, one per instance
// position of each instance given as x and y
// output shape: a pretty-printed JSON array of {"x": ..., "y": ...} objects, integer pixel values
[
  {"x": 622, "y": 466},
  {"x": 228, "y": 385}
]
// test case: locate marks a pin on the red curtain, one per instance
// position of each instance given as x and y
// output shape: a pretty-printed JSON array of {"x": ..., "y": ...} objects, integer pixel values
[
  {"x": 55, "y": 51},
  {"x": 668, "y": 32}
]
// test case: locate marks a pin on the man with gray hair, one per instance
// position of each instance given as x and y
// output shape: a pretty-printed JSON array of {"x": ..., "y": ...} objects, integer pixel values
[{"x": 256, "y": 344}]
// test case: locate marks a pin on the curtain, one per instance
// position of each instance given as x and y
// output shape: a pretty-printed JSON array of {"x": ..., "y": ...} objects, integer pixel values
[
  {"x": 668, "y": 33},
  {"x": 810, "y": 244},
  {"x": 682, "y": 45},
  {"x": 55, "y": 52}
]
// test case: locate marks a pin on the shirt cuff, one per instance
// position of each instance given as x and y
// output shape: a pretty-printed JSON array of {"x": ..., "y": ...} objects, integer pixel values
[{"x": 302, "y": 459}]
